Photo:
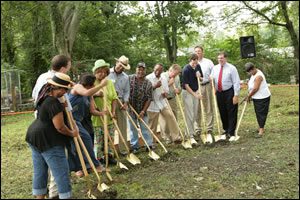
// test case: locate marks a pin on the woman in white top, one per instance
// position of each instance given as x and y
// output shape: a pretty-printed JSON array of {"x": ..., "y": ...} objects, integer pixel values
[{"x": 259, "y": 93}]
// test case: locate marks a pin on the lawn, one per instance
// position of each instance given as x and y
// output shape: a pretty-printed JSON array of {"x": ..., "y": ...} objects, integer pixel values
[{"x": 266, "y": 167}]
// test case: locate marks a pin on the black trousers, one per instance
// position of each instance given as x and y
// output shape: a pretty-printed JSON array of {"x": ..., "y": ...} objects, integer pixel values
[
  {"x": 261, "y": 107},
  {"x": 228, "y": 111}
]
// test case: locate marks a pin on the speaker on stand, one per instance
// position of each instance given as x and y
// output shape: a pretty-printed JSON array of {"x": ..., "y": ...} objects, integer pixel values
[{"x": 247, "y": 47}]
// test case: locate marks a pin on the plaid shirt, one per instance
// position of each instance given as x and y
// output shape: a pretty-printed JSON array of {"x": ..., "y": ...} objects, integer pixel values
[{"x": 140, "y": 92}]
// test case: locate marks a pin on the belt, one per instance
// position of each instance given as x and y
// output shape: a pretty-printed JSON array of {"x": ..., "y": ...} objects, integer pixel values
[
  {"x": 226, "y": 90},
  {"x": 205, "y": 83}
]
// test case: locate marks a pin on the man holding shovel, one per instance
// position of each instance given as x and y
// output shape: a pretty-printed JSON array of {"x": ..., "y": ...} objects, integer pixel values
[
  {"x": 206, "y": 91},
  {"x": 227, "y": 83},
  {"x": 140, "y": 98},
  {"x": 190, "y": 94},
  {"x": 121, "y": 83},
  {"x": 159, "y": 105}
]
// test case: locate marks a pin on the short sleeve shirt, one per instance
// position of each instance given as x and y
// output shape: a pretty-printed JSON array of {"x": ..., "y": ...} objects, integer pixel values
[{"x": 42, "y": 133}]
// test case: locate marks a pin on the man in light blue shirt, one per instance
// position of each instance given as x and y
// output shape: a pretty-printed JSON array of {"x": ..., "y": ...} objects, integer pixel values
[
  {"x": 121, "y": 83},
  {"x": 227, "y": 84}
]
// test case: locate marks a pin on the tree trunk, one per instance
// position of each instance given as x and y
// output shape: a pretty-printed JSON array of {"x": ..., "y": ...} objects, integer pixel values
[
  {"x": 58, "y": 34},
  {"x": 293, "y": 34},
  {"x": 64, "y": 26}
]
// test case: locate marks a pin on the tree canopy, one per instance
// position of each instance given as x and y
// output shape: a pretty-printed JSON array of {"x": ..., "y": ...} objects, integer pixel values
[{"x": 153, "y": 32}]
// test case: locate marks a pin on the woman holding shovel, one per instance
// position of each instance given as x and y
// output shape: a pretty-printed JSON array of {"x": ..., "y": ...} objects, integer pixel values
[
  {"x": 83, "y": 103},
  {"x": 101, "y": 71},
  {"x": 47, "y": 137},
  {"x": 260, "y": 94}
]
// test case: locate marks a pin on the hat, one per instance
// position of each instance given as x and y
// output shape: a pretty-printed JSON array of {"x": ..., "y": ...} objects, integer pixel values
[
  {"x": 249, "y": 66},
  {"x": 60, "y": 80},
  {"x": 141, "y": 64},
  {"x": 124, "y": 62},
  {"x": 100, "y": 63}
]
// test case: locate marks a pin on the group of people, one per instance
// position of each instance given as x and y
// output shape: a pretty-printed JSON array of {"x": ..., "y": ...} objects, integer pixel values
[{"x": 109, "y": 93}]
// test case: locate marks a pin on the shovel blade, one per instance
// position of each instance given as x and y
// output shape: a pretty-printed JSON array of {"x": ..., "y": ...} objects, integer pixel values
[
  {"x": 133, "y": 159},
  {"x": 209, "y": 138},
  {"x": 153, "y": 155},
  {"x": 102, "y": 187},
  {"x": 122, "y": 166}
]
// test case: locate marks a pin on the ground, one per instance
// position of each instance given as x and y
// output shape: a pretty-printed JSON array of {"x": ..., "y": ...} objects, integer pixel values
[{"x": 252, "y": 167}]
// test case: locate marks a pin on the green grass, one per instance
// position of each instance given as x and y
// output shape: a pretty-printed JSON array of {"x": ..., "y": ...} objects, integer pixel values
[{"x": 249, "y": 168}]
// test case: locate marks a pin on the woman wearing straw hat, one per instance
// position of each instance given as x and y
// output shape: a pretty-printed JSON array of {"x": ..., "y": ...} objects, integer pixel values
[
  {"x": 260, "y": 94},
  {"x": 47, "y": 137}
]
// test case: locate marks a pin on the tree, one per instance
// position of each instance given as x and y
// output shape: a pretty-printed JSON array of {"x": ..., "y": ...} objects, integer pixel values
[
  {"x": 65, "y": 23},
  {"x": 174, "y": 18},
  {"x": 276, "y": 13}
]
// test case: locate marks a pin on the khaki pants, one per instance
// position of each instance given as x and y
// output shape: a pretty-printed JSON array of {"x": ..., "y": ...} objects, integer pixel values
[
  {"x": 171, "y": 130},
  {"x": 122, "y": 123},
  {"x": 206, "y": 91},
  {"x": 162, "y": 122},
  {"x": 190, "y": 112}
]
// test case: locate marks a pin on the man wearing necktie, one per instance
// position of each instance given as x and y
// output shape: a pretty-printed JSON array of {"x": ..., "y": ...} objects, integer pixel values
[{"x": 227, "y": 83}]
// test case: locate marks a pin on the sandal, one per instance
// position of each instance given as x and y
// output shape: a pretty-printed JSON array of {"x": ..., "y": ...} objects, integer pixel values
[{"x": 79, "y": 174}]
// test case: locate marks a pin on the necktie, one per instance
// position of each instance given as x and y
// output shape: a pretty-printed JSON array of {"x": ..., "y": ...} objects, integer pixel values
[{"x": 220, "y": 79}]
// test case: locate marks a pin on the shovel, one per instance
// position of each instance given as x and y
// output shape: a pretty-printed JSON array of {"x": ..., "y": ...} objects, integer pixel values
[
  {"x": 80, "y": 157},
  {"x": 119, "y": 164},
  {"x": 236, "y": 137},
  {"x": 130, "y": 157},
  {"x": 152, "y": 154},
  {"x": 220, "y": 136},
  {"x": 101, "y": 186},
  {"x": 137, "y": 115},
  {"x": 185, "y": 143},
  {"x": 106, "y": 133},
  {"x": 204, "y": 137}
]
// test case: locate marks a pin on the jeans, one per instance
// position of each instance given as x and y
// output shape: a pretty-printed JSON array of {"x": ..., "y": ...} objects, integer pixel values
[
  {"x": 55, "y": 159},
  {"x": 74, "y": 161},
  {"x": 134, "y": 139}
]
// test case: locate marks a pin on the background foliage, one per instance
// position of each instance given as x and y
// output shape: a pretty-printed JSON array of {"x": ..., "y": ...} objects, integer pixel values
[{"x": 148, "y": 32}]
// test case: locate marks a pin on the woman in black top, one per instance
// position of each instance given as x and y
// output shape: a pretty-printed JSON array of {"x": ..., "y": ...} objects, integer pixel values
[{"x": 48, "y": 135}]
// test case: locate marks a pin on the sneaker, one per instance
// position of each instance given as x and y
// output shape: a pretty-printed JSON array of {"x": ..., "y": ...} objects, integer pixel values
[
  {"x": 123, "y": 153},
  {"x": 151, "y": 147},
  {"x": 112, "y": 161},
  {"x": 168, "y": 142},
  {"x": 102, "y": 160},
  {"x": 232, "y": 138},
  {"x": 135, "y": 150}
]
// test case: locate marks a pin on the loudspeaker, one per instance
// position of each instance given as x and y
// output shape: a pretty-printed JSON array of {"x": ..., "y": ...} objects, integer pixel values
[{"x": 247, "y": 47}]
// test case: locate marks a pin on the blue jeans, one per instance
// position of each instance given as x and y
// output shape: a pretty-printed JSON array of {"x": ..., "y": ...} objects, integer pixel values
[
  {"x": 74, "y": 161},
  {"x": 55, "y": 158},
  {"x": 134, "y": 139}
]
